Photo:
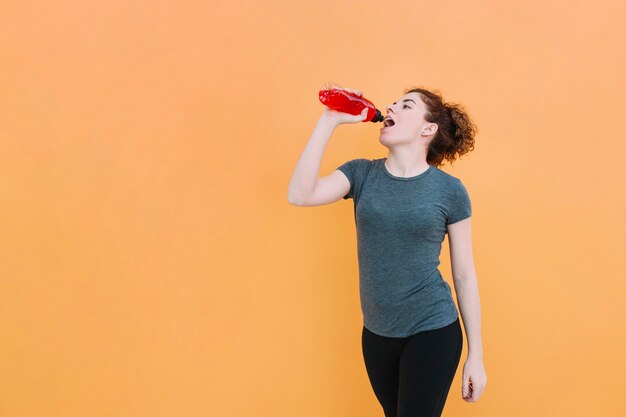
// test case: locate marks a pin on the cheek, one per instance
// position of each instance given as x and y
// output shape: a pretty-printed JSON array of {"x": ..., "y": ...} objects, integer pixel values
[{"x": 412, "y": 126}]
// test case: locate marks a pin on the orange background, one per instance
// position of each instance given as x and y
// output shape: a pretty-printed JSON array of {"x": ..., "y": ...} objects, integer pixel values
[{"x": 150, "y": 264}]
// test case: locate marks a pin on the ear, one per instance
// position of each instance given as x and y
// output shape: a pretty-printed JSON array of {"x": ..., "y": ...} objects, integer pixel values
[{"x": 430, "y": 129}]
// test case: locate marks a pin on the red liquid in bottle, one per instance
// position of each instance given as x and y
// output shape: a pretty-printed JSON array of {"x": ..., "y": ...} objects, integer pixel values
[{"x": 336, "y": 98}]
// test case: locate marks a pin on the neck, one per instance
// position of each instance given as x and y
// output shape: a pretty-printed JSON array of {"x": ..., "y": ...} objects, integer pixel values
[{"x": 406, "y": 165}]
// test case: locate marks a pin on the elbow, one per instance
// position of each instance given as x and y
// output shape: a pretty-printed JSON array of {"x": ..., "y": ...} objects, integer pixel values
[
  {"x": 297, "y": 198},
  {"x": 293, "y": 200}
]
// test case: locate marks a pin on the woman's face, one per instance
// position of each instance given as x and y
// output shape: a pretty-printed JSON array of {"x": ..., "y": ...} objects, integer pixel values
[{"x": 409, "y": 123}]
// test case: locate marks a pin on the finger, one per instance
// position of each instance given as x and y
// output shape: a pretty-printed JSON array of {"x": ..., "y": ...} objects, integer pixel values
[
  {"x": 468, "y": 395},
  {"x": 474, "y": 393}
]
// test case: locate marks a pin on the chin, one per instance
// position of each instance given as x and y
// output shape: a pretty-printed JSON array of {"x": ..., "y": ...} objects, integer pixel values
[
  {"x": 383, "y": 140},
  {"x": 389, "y": 140}
]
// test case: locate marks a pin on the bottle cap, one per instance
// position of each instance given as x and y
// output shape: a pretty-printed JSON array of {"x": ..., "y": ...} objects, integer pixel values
[{"x": 378, "y": 117}]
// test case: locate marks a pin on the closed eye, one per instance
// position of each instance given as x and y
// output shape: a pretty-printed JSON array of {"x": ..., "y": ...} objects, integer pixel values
[{"x": 406, "y": 106}]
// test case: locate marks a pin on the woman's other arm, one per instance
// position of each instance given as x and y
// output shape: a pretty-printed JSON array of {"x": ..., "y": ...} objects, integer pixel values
[{"x": 466, "y": 287}]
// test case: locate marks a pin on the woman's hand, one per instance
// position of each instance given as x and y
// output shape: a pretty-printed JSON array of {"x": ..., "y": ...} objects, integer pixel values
[
  {"x": 340, "y": 118},
  {"x": 474, "y": 380}
]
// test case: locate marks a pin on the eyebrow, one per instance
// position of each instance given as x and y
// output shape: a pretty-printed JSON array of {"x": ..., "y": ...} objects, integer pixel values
[{"x": 407, "y": 99}]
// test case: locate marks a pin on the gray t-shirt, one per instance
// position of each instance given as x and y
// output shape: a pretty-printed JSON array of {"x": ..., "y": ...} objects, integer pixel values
[{"x": 401, "y": 223}]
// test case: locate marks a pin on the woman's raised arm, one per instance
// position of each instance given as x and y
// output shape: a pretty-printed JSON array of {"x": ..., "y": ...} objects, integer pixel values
[{"x": 305, "y": 188}]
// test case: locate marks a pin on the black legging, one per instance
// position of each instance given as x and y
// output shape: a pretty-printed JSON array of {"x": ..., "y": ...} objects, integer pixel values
[{"x": 411, "y": 376}]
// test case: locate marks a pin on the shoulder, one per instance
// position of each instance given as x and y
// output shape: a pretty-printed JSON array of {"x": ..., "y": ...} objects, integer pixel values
[
  {"x": 367, "y": 161},
  {"x": 444, "y": 176},
  {"x": 450, "y": 187},
  {"x": 357, "y": 165},
  {"x": 447, "y": 179}
]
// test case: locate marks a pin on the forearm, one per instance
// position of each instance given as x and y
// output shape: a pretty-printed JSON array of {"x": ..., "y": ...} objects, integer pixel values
[
  {"x": 305, "y": 174},
  {"x": 469, "y": 304}
]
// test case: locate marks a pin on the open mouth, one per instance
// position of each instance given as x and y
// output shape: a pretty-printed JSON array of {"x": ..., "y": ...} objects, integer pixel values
[{"x": 388, "y": 123}]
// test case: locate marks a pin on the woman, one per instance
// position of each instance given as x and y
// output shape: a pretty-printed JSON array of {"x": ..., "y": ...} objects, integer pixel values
[{"x": 403, "y": 207}]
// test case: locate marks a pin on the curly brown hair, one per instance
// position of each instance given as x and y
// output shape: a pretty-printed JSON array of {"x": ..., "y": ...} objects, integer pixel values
[{"x": 455, "y": 132}]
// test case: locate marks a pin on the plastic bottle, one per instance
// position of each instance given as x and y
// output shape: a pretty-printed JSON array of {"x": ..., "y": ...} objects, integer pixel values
[{"x": 337, "y": 98}]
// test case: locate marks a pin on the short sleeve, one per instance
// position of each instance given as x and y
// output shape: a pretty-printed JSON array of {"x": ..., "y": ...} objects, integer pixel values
[
  {"x": 354, "y": 170},
  {"x": 461, "y": 205}
]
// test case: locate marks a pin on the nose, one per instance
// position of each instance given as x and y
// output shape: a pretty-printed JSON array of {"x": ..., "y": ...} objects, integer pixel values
[{"x": 389, "y": 109}]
